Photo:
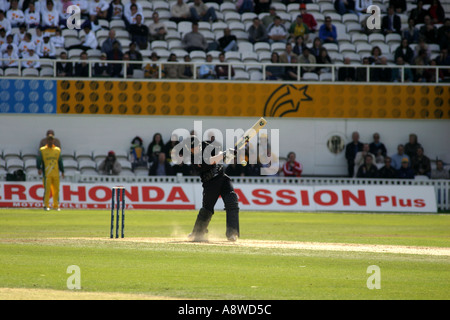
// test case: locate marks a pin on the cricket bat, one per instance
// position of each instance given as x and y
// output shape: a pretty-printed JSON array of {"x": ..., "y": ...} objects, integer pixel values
[{"x": 250, "y": 133}]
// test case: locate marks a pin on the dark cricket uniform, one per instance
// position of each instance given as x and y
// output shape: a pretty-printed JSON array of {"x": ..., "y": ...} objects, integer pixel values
[{"x": 215, "y": 183}]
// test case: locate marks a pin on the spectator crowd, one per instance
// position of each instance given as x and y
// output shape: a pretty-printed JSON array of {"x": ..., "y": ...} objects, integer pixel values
[{"x": 31, "y": 30}]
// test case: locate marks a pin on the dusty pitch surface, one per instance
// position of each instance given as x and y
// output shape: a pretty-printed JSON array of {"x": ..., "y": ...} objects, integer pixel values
[{"x": 293, "y": 245}]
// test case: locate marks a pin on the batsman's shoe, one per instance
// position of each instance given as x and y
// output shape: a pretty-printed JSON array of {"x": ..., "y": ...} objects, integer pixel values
[
  {"x": 46, "y": 209},
  {"x": 198, "y": 237}
]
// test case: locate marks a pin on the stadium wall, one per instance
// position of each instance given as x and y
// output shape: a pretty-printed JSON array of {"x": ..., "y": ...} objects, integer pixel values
[{"x": 106, "y": 115}]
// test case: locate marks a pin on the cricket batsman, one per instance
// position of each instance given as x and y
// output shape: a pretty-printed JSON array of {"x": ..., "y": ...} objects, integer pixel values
[
  {"x": 49, "y": 163},
  {"x": 215, "y": 183}
]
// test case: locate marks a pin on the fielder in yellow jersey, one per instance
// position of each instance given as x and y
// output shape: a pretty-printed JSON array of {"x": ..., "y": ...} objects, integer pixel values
[{"x": 49, "y": 163}]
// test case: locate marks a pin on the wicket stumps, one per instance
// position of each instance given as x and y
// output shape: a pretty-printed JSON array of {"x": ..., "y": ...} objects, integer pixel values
[{"x": 117, "y": 194}]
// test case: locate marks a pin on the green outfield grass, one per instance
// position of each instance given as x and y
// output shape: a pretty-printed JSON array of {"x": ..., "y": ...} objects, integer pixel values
[{"x": 36, "y": 247}]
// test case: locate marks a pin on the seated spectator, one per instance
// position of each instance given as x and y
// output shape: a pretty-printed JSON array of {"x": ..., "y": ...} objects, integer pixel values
[
  {"x": 347, "y": 73},
  {"x": 194, "y": 40},
  {"x": 110, "y": 166},
  {"x": 157, "y": 28},
  {"x": 101, "y": 68},
  {"x": 140, "y": 33},
  {"x": 116, "y": 11},
  {"x": 308, "y": 18},
  {"x": 323, "y": 58},
  {"x": 30, "y": 59},
  {"x": 287, "y": 55},
  {"x": 376, "y": 145},
  {"x": 206, "y": 71},
  {"x": 137, "y": 155},
  {"x": 344, "y": 6},
  {"x": 90, "y": 41},
  {"x": 155, "y": 148},
  {"x": 382, "y": 74},
  {"x": 405, "y": 52},
  {"x": 168, "y": 147},
  {"x": 50, "y": 15},
  {"x": 186, "y": 69},
  {"x": 412, "y": 145},
  {"x": 277, "y": 31},
  {"x": 82, "y": 67},
  {"x": 421, "y": 164},
  {"x": 32, "y": 16},
  {"x": 57, "y": 40},
  {"x": 405, "y": 171},
  {"x": 151, "y": 70},
  {"x": 299, "y": 45},
  {"x": 361, "y": 72},
  {"x": 436, "y": 12},
  {"x": 115, "y": 55},
  {"x": 4, "y": 23},
  {"x": 134, "y": 55},
  {"x": 351, "y": 149},
  {"x": 131, "y": 18},
  {"x": 267, "y": 20},
  {"x": 98, "y": 8},
  {"x": 2, "y": 36},
  {"x": 361, "y": 6},
  {"x": 361, "y": 156},
  {"x": 443, "y": 33},
  {"x": 391, "y": 23},
  {"x": 200, "y": 11},
  {"x": 179, "y": 11},
  {"x": 398, "y": 157},
  {"x": 367, "y": 169},
  {"x": 292, "y": 168},
  {"x": 444, "y": 60},
  {"x": 160, "y": 167},
  {"x": 328, "y": 32},
  {"x": 423, "y": 74},
  {"x": 387, "y": 171},
  {"x": 129, "y": 67},
  {"x": 227, "y": 42},
  {"x": 14, "y": 15},
  {"x": 26, "y": 44},
  {"x": 46, "y": 50},
  {"x": 428, "y": 31},
  {"x": 307, "y": 58},
  {"x": 375, "y": 56},
  {"x": 418, "y": 14},
  {"x": 411, "y": 33},
  {"x": 399, "y": 5},
  {"x": 10, "y": 41},
  {"x": 222, "y": 70},
  {"x": 299, "y": 28},
  {"x": 422, "y": 45},
  {"x": 274, "y": 71},
  {"x": 440, "y": 172},
  {"x": 63, "y": 68},
  {"x": 107, "y": 45},
  {"x": 128, "y": 10},
  {"x": 11, "y": 58},
  {"x": 316, "y": 46},
  {"x": 257, "y": 32},
  {"x": 84, "y": 7},
  {"x": 397, "y": 72},
  {"x": 172, "y": 70}
]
